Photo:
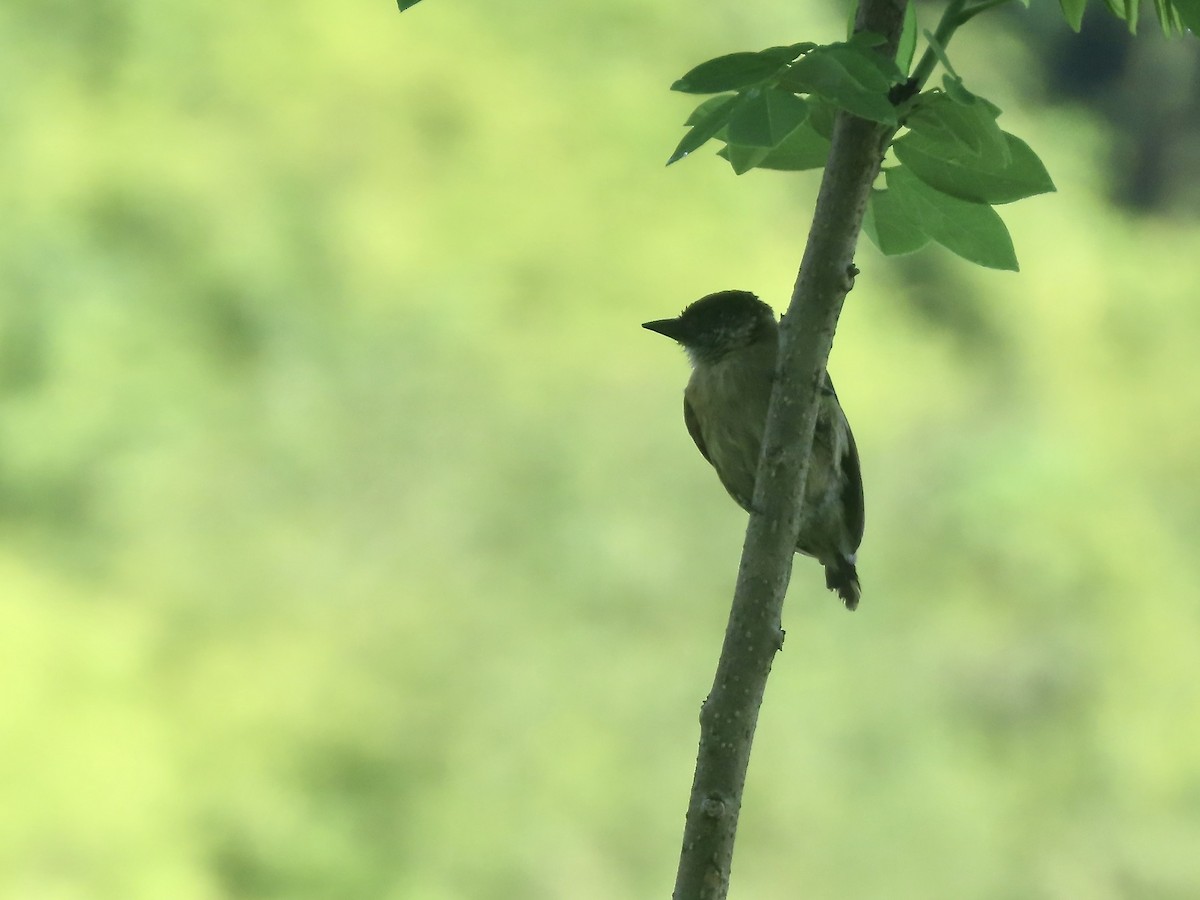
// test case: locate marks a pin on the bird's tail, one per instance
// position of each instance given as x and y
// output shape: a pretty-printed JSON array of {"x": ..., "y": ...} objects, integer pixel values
[{"x": 842, "y": 577}]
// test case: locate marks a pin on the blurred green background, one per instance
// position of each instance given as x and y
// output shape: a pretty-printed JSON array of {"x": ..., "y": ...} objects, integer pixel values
[{"x": 351, "y": 542}]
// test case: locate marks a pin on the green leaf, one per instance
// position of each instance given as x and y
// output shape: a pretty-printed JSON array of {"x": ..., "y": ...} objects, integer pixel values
[
  {"x": 908, "y": 39},
  {"x": 961, "y": 128},
  {"x": 1168, "y": 16},
  {"x": 850, "y": 78},
  {"x": 821, "y": 117},
  {"x": 706, "y": 107},
  {"x": 1073, "y": 12},
  {"x": 1187, "y": 12},
  {"x": 940, "y": 52},
  {"x": 974, "y": 231},
  {"x": 788, "y": 52},
  {"x": 725, "y": 73},
  {"x": 737, "y": 70},
  {"x": 957, "y": 91},
  {"x": 1126, "y": 11},
  {"x": 743, "y": 159},
  {"x": 405, "y": 4},
  {"x": 863, "y": 68},
  {"x": 709, "y": 124},
  {"x": 866, "y": 39},
  {"x": 805, "y": 148},
  {"x": 766, "y": 118},
  {"x": 890, "y": 226},
  {"x": 968, "y": 176},
  {"x": 861, "y": 50}
]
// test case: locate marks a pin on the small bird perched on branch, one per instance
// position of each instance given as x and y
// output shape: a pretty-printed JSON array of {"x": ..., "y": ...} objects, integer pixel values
[{"x": 732, "y": 339}]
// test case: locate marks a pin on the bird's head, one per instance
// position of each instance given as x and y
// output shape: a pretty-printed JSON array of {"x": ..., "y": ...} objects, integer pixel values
[{"x": 719, "y": 324}]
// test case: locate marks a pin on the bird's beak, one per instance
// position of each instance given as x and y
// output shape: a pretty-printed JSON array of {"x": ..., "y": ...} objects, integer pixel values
[{"x": 667, "y": 327}]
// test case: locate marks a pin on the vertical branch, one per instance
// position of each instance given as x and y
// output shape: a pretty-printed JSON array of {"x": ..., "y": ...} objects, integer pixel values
[{"x": 753, "y": 635}]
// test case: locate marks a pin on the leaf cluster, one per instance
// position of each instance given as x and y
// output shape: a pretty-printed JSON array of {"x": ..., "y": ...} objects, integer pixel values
[
  {"x": 781, "y": 109},
  {"x": 947, "y": 170},
  {"x": 948, "y": 161},
  {"x": 1174, "y": 16},
  {"x": 950, "y": 164}
]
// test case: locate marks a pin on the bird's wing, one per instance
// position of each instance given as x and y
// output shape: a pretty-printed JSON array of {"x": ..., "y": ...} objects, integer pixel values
[
  {"x": 852, "y": 486},
  {"x": 852, "y": 490},
  {"x": 693, "y": 427}
]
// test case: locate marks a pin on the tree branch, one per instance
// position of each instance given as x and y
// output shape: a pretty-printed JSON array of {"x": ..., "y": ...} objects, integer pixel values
[{"x": 753, "y": 635}]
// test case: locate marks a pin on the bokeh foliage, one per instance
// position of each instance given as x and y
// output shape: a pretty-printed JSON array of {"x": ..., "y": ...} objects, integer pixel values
[{"x": 352, "y": 544}]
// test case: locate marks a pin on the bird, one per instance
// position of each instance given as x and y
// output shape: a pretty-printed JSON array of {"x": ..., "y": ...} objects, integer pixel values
[{"x": 732, "y": 339}]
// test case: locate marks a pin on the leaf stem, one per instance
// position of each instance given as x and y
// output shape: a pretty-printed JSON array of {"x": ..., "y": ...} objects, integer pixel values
[
  {"x": 955, "y": 16},
  {"x": 946, "y": 28}
]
